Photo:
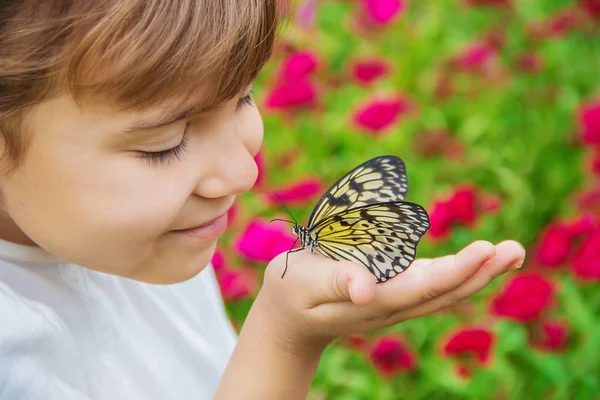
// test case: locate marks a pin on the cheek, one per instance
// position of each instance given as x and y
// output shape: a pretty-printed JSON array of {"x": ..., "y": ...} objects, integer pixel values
[{"x": 83, "y": 201}]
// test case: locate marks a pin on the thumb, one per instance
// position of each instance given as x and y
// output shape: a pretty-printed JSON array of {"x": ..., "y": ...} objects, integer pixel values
[{"x": 349, "y": 281}]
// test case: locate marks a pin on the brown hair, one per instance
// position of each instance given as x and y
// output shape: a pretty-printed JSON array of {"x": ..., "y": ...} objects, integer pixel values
[{"x": 134, "y": 53}]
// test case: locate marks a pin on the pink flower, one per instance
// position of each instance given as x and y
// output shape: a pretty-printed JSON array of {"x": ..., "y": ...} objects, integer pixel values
[
  {"x": 297, "y": 193},
  {"x": 555, "y": 246},
  {"x": 441, "y": 219},
  {"x": 589, "y": 120},
  {"x": 383, "y": 11},
  {"x": 477, "y": 56},
  {"x": 463, "y": 203},
  {"x": 377, "y": 115},
  {"x": 237, "y": 284},
  {"x": 460, "y": 208},
  {"x": 259, "y": 159},
  {"x": 586, "y": 263},
  {"x": 391, "y": 356},
  {"x": 298, "y": 65},
  {"x": 218, "y": 261},
  {"x": 524, "y": 298},
  {"x": 474, "y": 341},
  {"x": 367, "y": 71},
  {"x": 293, "y": 94},
  {"x": 261, "y": 241}
]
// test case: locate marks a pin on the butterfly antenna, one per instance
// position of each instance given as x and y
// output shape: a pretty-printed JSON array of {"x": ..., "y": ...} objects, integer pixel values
[{"x": 286, "y": 210}]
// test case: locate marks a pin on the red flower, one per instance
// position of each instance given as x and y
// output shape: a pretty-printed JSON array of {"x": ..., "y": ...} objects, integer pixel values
[
  {"x": 586, "y": 263},
  {"x": 589, "y": 120},
  {"x": 293, "y": 94},
  {"x": 262, "y": 241},
  {"x": 367, "y": 71},
  {"x": 555, "y": 246},
  {"x": 524, "y": 298},
  {"x": 554, "y": 336},
  {"x": 297, "y": 193},
  {"x": 475, "y": 341},
  {"x": 463, "y": 203},
  {"x": 441, "y": 219},
  {"x": 377, "y": 115},
  {"x": 391, "y": 355},
  {"x": 592, "y": 7},
  {"x": 460, "y": 208},
  {"x": 383, "y": 12},
  {"x": 298, "y": 65}
]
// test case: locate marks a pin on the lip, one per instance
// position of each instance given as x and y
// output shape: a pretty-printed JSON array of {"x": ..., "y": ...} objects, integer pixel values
[{"x": 208, "y": 230}]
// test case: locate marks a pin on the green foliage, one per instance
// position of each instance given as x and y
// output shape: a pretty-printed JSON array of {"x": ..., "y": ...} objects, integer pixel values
[{"x": 518, "y": 133}]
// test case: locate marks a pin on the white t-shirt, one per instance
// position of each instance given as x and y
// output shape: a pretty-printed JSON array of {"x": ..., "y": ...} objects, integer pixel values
[{"x": 67, "y": 332}]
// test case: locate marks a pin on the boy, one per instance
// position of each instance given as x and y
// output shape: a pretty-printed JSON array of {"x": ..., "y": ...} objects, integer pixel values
[{"x": 127, "y": 130}]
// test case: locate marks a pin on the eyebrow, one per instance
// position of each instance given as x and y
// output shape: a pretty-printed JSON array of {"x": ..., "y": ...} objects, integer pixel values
[{"x": 167, "y": 118}]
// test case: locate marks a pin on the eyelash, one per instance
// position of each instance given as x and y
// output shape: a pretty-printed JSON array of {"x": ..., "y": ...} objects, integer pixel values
[{"x": 164, "y": 156}]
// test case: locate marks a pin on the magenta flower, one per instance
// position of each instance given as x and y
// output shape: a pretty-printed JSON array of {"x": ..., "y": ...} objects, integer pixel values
[
  {"x": 237, "y": 284},
  {"x": 586, "y": 263},
  {"x": 589, "y": 121},
  {"x": 377, "y": 115},
  {"x": 524, "y": 298},
  {"x": 367, "y": 71},
  {"x": 391, "y": 356},
  {"x": 554, "y": 246},
  {"x": 261, "y": 241},
  {"x": 383, "y": 12},
  {"x": 297, "y": 193},
  {"x": 298, "y": 65},
  {"x": 259, "y": 159},
  {"x": 471, "y": 341},
  {"x": 299, "y": 93}
]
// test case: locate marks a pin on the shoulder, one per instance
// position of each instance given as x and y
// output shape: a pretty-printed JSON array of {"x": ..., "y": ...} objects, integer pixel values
[{"x": 36, "y": 350}]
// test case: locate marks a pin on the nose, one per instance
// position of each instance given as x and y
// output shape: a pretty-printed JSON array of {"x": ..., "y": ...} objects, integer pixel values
[{"x": 231, "y": 170}]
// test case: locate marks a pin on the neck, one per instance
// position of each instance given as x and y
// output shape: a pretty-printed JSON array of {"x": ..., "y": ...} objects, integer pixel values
[{"x": 10, "y": 232}]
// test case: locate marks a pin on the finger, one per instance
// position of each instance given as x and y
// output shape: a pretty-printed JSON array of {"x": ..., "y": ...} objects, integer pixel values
[
  {"x": 328, "y": 280},
  {"x": 426, "y": 281},
  {"x": 510, "y": 255}
]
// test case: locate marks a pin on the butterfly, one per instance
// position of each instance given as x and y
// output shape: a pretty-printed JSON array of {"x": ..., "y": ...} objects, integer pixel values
[{"x": 363, "y": 218}]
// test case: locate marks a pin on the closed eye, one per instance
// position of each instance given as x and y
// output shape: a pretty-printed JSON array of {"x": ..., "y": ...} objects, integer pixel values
[{"x": 245, "y": 101}]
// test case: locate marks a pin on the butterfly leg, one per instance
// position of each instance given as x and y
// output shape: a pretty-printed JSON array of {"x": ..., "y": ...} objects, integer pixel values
[{"x": 292, "y": 250}]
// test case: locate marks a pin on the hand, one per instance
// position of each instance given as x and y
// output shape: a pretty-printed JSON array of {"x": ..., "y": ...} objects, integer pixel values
[{"x": 320, "y": 299}]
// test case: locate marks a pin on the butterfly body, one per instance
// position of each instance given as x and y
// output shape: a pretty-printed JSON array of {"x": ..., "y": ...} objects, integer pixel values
[{"x": 363, "y": 218}]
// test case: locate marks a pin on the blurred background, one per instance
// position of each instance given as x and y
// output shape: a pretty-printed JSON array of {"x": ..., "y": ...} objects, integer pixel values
[{"x": 494, "y": 105}]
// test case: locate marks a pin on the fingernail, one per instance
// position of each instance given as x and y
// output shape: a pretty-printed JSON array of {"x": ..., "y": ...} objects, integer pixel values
[
  {"x": 351, "y": 290},
  {"x": 517, "y": 265}
]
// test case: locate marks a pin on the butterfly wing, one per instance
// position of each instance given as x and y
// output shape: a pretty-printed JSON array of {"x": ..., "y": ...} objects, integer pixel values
[
  {"x": 383, "y": 237},
  {"x": 379, "y": 180}
]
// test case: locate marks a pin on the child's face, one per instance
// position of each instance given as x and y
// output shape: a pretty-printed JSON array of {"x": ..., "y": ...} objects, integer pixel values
[{"x": 85, "y": 193}]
